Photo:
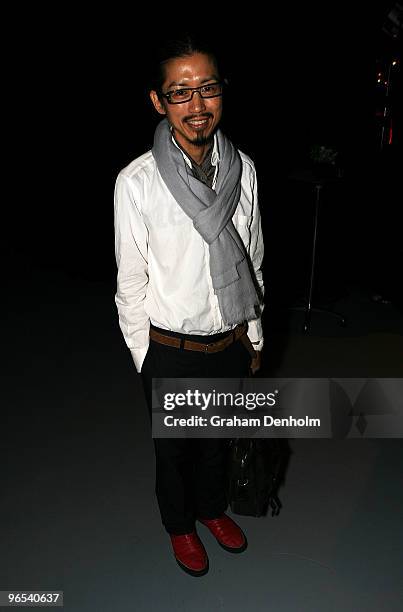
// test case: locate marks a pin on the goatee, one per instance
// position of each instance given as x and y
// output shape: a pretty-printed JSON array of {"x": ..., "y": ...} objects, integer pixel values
[{"x": 201, "y": 140}]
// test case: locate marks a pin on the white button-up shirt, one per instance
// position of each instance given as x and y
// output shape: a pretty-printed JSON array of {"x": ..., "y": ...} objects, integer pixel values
[{"x": 163, "y": 262}]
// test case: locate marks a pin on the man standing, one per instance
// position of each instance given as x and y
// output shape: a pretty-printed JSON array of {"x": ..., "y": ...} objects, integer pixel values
[{"x": 189, "y": 294}]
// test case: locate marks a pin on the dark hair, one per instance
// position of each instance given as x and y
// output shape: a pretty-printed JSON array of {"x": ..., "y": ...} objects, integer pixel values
[{"x": 183, "y": 45}]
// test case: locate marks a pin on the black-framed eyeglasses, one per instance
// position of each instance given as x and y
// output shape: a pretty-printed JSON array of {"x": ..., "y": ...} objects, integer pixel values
[{"x": 178, "y": 96}]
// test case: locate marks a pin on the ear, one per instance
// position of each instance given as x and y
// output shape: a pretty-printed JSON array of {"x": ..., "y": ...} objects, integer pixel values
[{"x": 159, "y": 107}]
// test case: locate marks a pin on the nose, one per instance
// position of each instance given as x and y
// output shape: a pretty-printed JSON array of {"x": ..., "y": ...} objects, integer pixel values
[{"x": 196, "y": 103}]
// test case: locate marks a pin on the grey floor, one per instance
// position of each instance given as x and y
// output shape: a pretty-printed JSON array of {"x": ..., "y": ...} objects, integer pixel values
[{"x": 78, "y": 511}]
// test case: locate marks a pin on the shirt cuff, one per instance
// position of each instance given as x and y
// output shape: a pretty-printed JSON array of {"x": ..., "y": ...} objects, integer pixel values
[
  {"x": 255, "y": 334},
  {"x": 139, "y": 356}
]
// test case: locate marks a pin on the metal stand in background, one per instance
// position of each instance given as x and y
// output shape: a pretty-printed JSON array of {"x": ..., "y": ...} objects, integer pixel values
[{"x": 308, "y": 309}]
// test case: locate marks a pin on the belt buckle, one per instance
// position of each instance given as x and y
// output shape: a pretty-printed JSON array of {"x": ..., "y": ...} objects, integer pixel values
[{"x": 206, "y": 347}]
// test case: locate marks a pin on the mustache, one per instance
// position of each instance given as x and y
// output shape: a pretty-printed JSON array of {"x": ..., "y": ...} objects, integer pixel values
[{"x": 198, "y": 117}]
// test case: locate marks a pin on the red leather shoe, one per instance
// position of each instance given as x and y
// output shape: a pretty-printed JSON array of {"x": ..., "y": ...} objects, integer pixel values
[
  {"x": 227, "y": 533},
  {"x": 190, "y": 553}
]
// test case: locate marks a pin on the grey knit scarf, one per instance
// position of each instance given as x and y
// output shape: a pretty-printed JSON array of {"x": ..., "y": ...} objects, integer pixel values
[{"x": 211, "y": 212}]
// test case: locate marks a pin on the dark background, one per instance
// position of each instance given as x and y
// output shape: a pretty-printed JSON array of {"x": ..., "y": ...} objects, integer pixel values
[{"x": 82, "y": 113}]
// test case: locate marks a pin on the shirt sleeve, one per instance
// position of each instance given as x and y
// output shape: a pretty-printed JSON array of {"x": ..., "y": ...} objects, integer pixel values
[
  {"x": 255, "y": 330},
  {"x": 131, "y": 251}
]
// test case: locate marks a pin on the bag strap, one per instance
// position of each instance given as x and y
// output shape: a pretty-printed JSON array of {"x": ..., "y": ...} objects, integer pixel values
[{"x": 248, "y": 345}]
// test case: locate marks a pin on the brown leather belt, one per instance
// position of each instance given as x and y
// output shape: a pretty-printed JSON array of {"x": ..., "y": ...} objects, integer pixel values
[{"x": 189, "y": 345}]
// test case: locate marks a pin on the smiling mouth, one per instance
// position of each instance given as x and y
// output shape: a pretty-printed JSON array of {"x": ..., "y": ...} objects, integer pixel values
[{"x": 198, "y": 123}]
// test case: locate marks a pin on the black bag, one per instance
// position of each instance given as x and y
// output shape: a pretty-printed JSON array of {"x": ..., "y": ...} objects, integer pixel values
[{"x": 256, "y": 468}]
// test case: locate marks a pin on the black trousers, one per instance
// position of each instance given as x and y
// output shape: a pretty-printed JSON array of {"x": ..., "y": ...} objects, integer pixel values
[{"x": 190, "y": 472}]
